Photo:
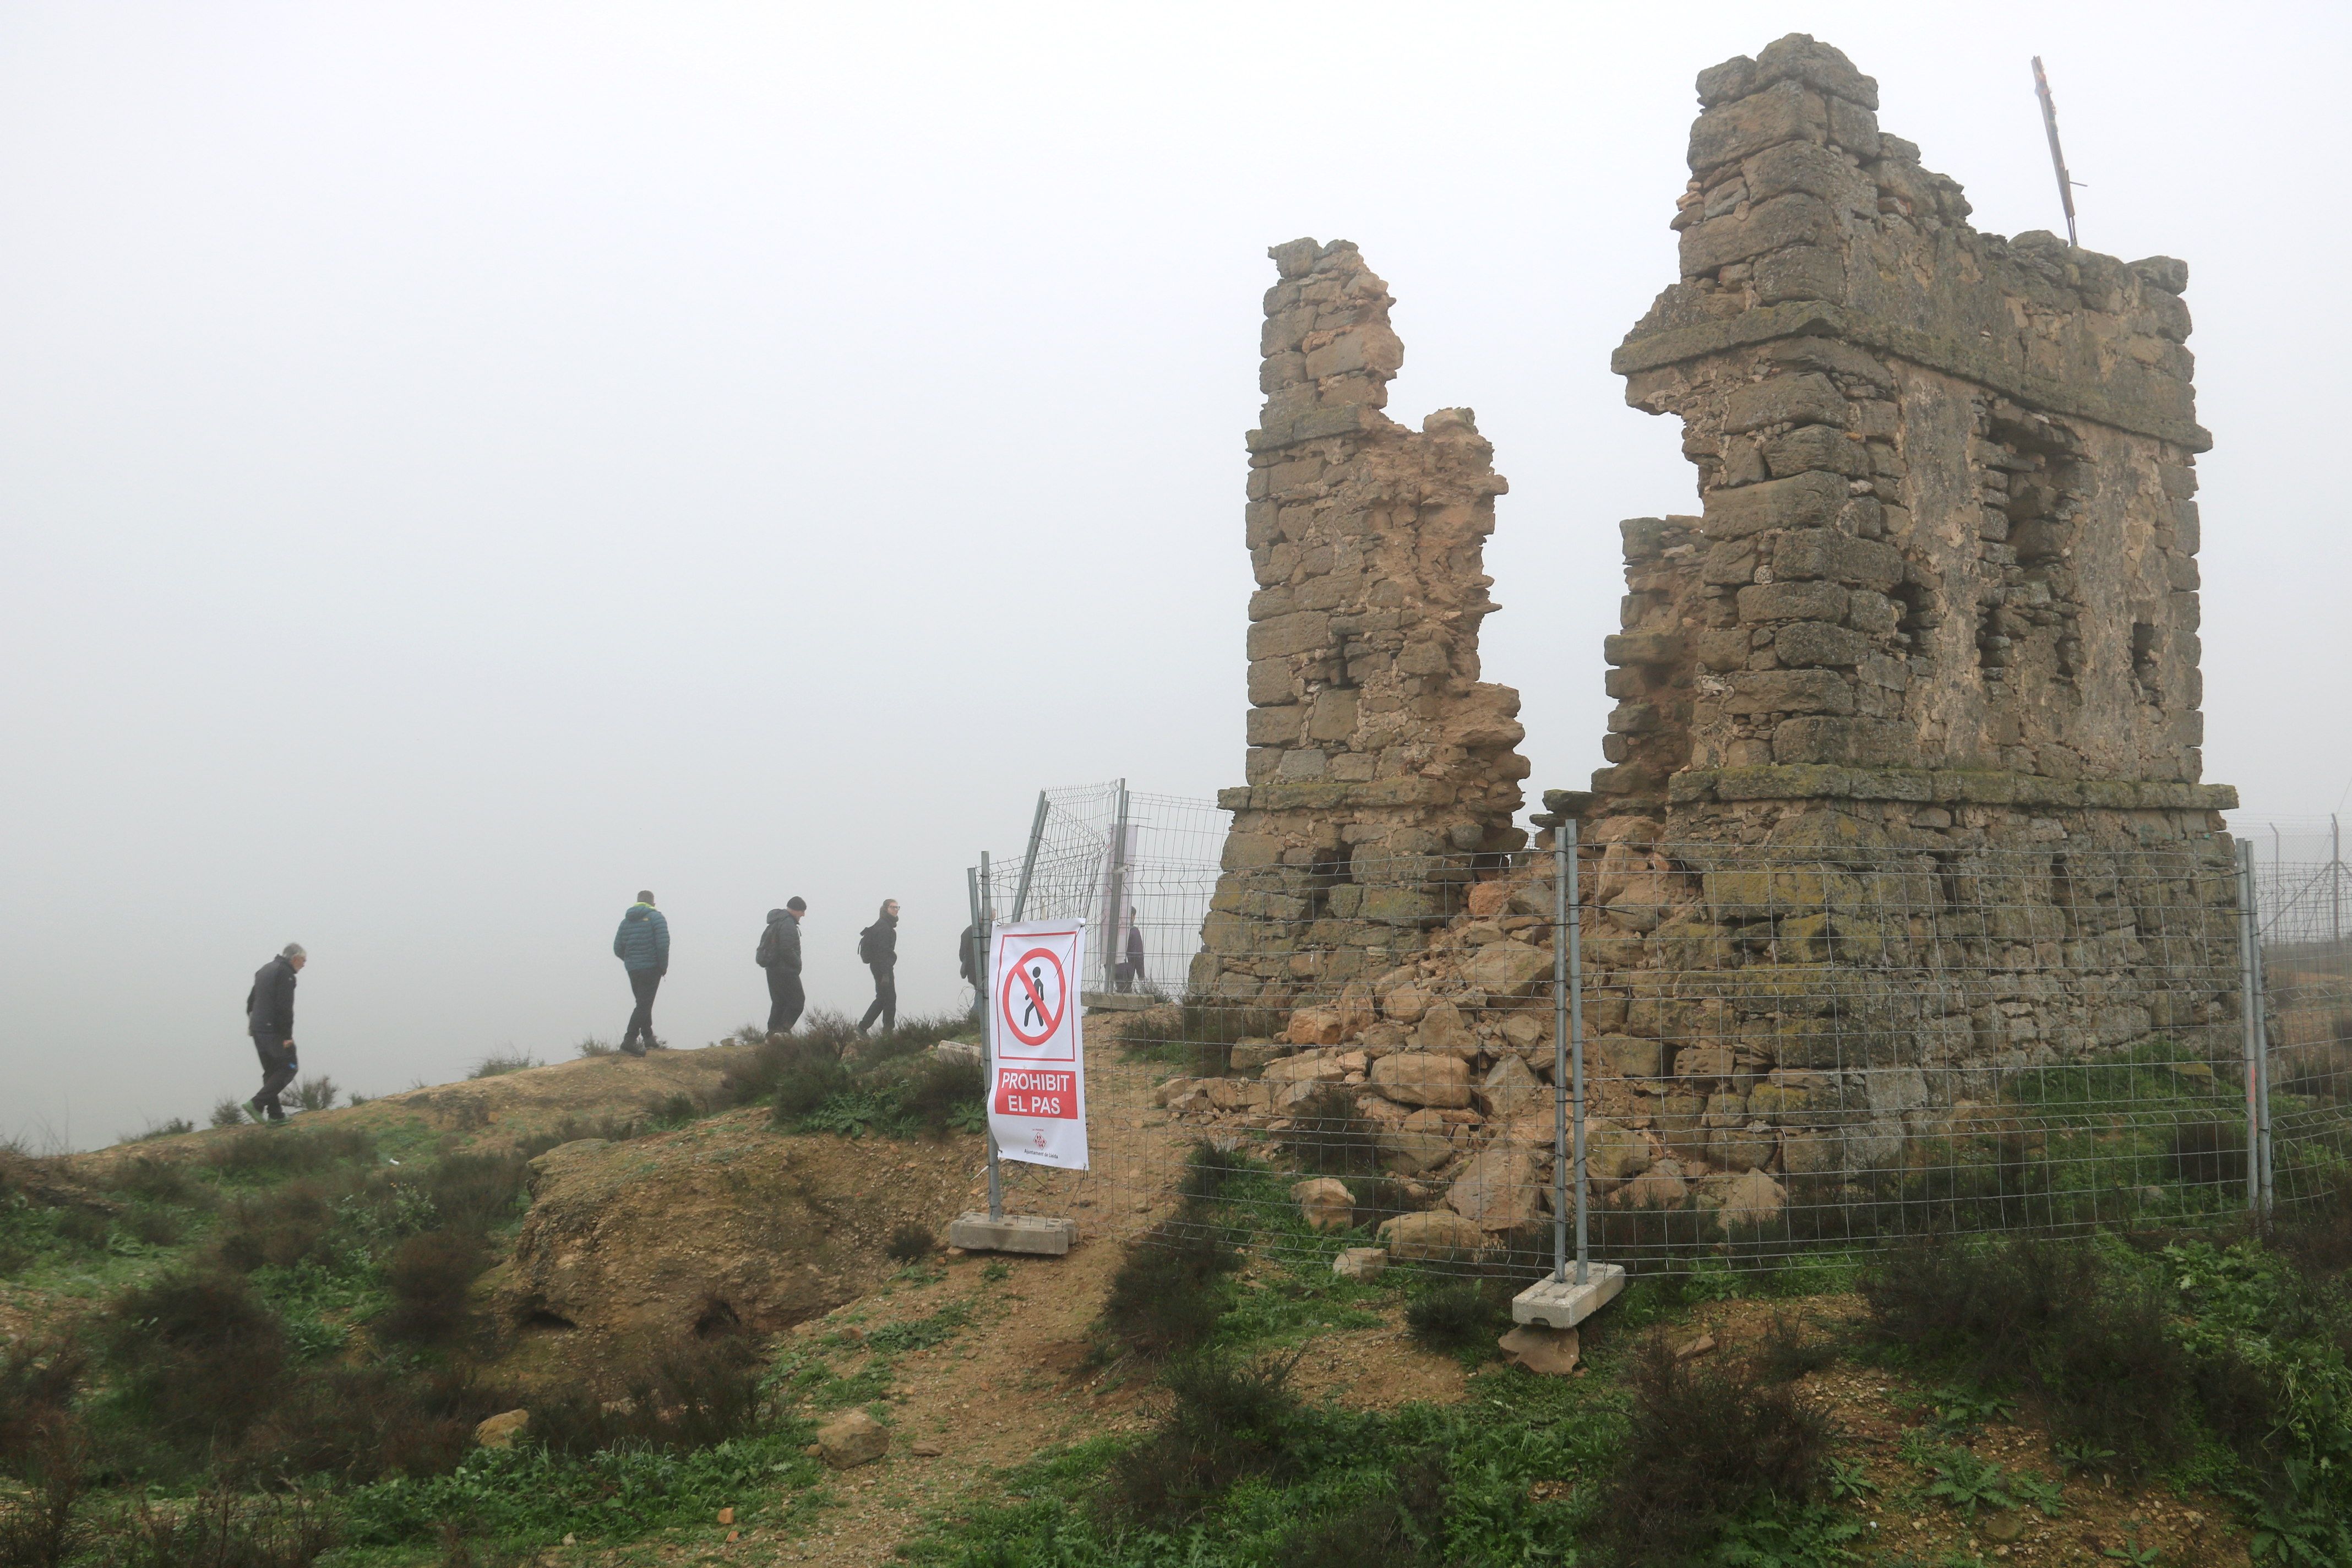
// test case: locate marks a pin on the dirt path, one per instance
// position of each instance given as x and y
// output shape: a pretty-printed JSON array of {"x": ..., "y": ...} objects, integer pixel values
[{"x": 1023, "y": 1377}]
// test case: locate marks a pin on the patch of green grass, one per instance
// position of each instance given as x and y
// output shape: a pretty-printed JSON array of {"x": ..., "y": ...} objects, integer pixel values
[{"x": 525, "y": 1495}]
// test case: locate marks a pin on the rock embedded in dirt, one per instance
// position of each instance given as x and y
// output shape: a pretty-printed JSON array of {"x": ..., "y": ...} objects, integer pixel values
[
  {"x": 1325, "y": 1203},
  {"x": 928, "y": 1448},
  {"x": 851, "y": 1439},
  {"x": 717, "y": 1230},
  {"x": 1509, "y": 1088},
  {"x": 499, "y": 1431},
  {"x": 1419, "y": 1077},
  {"x": 1443, "y": 1029},
  {"x": 1361, "y": 1263},
  {"x": 1499, "y": 1189},
  {"x": 1550, "y": 1352},
  {"x": 1750, "y": 1199},
  {"x": 1437, "y": 1235},
  {"x": 1507, "y": 968},
  {"x": 1306, "y": 1069}
]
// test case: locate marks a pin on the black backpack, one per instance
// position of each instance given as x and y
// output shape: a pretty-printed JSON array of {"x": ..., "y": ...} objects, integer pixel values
[{"x": 866, "y": 943}]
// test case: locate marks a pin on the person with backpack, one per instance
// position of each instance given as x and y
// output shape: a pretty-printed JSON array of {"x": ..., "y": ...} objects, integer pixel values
[
  {"x": 779, "y": 954},
  {"x": 1129, "y": 972},
  {"x": 269, "y": 1019},
  {"x": 642, "y": 945},
  {"x": 877, "y": 949}
]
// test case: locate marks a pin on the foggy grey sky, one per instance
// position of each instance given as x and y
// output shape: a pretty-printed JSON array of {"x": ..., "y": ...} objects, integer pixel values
[{"x": 461, "y": 463}]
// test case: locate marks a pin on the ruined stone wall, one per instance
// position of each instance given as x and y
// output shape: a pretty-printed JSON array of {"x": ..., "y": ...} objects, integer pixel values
[
  {"x": 1379, "y": 767},
  {"x": 1946, "y": 553}
]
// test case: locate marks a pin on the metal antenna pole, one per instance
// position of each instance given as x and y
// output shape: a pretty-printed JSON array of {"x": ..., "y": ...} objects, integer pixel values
[
  {"x": 1029, "y": 861},
  {"x": 988, "y": 1038},
  {"x": 2335, "y": 880},
  {"x": 2057, "y": 157}
]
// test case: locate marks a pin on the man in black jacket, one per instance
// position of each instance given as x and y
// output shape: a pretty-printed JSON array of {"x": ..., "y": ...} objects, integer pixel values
[
  {"x": 780, "y": 955},
  {"x": 269, "y": 1019},
  {"x": 877, "y": 949}
]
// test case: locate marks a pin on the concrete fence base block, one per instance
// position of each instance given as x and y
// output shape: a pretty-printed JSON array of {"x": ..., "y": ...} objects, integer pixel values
[
  {"x": 1014, "y": 1233},
  {"x": 1564, "y": 1303}
]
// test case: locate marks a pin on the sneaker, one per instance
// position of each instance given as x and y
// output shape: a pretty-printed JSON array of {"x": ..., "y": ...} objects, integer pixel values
[
  {"x": 277, "y": 1118},
  {"x": 254, "y": 1105},
  {"x": 632, "y": 1050}
]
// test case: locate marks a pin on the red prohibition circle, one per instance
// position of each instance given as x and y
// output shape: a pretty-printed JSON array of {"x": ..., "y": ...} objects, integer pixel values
[{"x": 1004, "y": 997}]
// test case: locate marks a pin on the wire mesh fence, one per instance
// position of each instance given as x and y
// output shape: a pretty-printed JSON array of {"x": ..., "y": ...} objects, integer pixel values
[{"x": 1784, "y": 1051}]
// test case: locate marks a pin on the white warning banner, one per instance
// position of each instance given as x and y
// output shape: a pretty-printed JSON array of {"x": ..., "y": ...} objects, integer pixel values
[{"x": 1037, "y": 1071}]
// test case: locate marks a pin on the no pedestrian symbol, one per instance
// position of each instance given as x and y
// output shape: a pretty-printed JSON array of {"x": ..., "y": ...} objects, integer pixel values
[{"x": 1035, "y": 991}]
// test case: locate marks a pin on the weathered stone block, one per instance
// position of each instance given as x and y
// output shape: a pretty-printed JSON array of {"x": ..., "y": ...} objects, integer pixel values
[
  {"x": 1641, "y": 647},
  {"x": 1784, "y": 400},
  {"x": 1793, "y": 602},
  {"x": 1508, "y": 969},
  {"x": 1860, "y": 742},
  {"x": 1838, "y": 556},
  {"x": 1820, "y": 447},
  {"x": 1802, "y": 642},
  {"x": 1788, "y": 692},
  {"x": 1304, "y": 632},
  {"x": 1785, "y": 113},
  {"x": 1793, "y": 219},
  {"x": 1802, "y": 501},
  {"x": 1422, "y": 1077}
]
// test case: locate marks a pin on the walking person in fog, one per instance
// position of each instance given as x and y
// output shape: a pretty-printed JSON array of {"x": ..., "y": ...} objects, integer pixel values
[
  {"x": 1129, "y": 972},
  {"x": 269, "y": 1019},
  {"x": 642, "y": 945},
  {"x": 877, "y": 949},
  {"x": 779, "y": 954}
]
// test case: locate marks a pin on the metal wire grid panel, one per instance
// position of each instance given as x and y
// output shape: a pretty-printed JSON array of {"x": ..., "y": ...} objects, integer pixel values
[
  {"x": 2305, "y": 915},
  {"x": 1784, "y": 1050}
]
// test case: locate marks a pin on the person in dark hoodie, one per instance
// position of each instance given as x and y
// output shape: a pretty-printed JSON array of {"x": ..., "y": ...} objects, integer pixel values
[
  {"x": 779, "y": 954},
  {"x": 269, "y": 1019},
  {"x": 642, "y": 945},
  {"x": 877, "y": 949}
]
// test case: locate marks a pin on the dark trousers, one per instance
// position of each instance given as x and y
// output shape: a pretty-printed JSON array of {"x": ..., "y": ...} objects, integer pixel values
[
  {"x": 886, "y": 999},
  {"x": 1123, "y": 977},
  {"x": 278, "y": 1067},
  {"x": 644, "y": 983},
  {"x": 785, "y": 1000}
]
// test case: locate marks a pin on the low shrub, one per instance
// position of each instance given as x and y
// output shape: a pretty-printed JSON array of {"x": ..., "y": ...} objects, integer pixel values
[
  {"x": 2205, "y": 1154},
  {"x": 318, "y": 1093},
  {"x": 2092, "y": 1340},
  {"x": 1168, "y": 1293},
  {"x": 270, "y": 1153},
  {"x": 910, "y": 1244},
  {"x": 278, "y": 1228},
  {"x": 478, "y": 1192},
  {"x": 1328, "y": 1138},
  {"x": 943, "y": 1094},
  {"x": 1707, "y": 1443},
  {"x": 229, "y": 1113},
  {"x": 39, "y": 1381},
  {"x": 195, "y": 1357},
  {"x": 1402, "y": 1527},
  {"x": 172, "y": 1129},
  {"x": 1786, "y": 1353},
  {"x": 589, "y": 1046},
  {"x": 429, "y": 1275},
  {"x": 1460, "y": 1314},
  {"x": 224, "y": 1530},
  {"x": 1211, "y": 1172},
  {"x": 696, "y": 1394},
  {"x": 1226, "y": 1419},
  {"x": 156, "y": 1181},
  {"x": 504, "y": 1061}
]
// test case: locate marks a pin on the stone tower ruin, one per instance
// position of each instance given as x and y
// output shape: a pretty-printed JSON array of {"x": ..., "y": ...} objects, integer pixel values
[
  {"x": 1380, "y": 768},
  {"x": 1945, "y": 570}
]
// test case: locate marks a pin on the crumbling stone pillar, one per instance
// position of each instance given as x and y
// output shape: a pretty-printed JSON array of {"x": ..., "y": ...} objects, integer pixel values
[
  {"x": 1380, "y": 768},
  {"x": 1946, "y": 560}
]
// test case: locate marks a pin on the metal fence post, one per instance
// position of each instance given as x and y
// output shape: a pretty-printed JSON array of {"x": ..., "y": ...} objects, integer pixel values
[
  {"x": 1029, "y": 861},
  {"x": 1576, "y": 1040},
  {"x": 988, "y": 1038},
  {"x": 1562, "y": 858},
  {"x": 2262, "y": 1074},
  {"x": 2249, "y": 1013}
]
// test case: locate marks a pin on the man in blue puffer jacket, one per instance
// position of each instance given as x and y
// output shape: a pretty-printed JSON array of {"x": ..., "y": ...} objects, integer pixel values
[{"x": 642, "y": 945}]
